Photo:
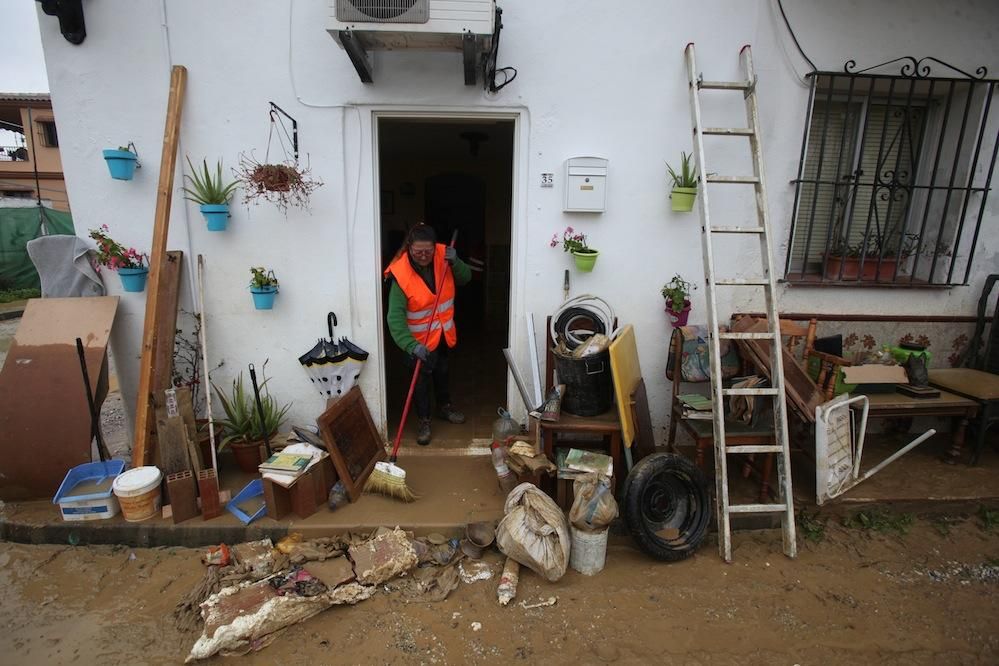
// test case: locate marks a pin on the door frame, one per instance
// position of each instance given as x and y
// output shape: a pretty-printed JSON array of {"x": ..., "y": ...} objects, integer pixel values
[{"x": 518, "y": 221}]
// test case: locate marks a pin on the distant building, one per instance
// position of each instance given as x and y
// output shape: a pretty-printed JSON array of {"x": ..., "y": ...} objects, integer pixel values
[{"x": 29, "y": 159}]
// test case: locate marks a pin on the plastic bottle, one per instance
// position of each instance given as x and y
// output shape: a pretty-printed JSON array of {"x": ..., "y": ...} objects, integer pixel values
[
  {"x": 504, "y": 428},
  {"x": 507, "y": 479}
]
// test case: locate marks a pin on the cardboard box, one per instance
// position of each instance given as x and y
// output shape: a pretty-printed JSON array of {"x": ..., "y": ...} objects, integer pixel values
[{"x": 875, "y": 378}]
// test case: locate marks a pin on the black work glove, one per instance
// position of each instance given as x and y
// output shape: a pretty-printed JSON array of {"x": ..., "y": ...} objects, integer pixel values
[{"x": 450, "y": 255}]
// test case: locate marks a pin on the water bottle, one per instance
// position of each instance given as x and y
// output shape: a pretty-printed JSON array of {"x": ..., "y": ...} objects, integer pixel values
[{"x": 504, "y": 429}]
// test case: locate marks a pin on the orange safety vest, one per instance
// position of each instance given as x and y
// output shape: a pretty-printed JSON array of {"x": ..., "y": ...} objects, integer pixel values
[{"x": 420, "y": 300}]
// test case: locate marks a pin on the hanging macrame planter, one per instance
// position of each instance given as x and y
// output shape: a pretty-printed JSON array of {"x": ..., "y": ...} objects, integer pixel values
[{"x": 285, "y": 184}]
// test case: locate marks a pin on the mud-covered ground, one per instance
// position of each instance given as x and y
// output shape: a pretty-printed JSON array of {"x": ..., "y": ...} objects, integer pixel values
[{"x": 855, "y": 597}]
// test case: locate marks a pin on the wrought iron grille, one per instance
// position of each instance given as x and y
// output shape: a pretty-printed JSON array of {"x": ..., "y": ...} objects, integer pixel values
[{"x": 894, "y": 174}]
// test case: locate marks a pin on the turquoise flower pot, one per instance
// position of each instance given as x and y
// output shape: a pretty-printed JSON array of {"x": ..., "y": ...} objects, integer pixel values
[
  {"x": 133, "y": 279},
  {"x": 263, "y": 297},
  {"x": 121, "y": 163},
  {"x": 216, "y": 215}
]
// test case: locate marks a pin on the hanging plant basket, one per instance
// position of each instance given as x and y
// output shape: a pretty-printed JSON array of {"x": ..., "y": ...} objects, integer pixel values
[{"x": 284, "y": 184}]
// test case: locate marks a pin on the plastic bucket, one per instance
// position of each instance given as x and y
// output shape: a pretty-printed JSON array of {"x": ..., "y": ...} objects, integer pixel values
[
  {"x": 588, "y": 551},
  {"x": 588, "y": 387},
  {"x": 133, "y": 279},
  {"x": 263, "y": 299},
  {"x": 216, "y": 215},
  {"x": 138, "y": 492},
  {"x": 121, "y": 163}
]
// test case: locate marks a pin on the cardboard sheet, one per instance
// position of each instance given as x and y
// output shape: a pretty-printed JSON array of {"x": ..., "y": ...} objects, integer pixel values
[{"x": 44, "y": 416}]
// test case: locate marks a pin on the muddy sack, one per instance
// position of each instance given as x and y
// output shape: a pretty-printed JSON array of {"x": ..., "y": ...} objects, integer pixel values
[
  {"x": 534, "y": 532},
  {"x": 593, "y": 504}
]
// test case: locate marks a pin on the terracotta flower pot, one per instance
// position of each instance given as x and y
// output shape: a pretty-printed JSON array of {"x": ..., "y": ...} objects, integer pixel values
[
  {"x": 247, "y": 455},
  {"x": 852, "y": 271}
]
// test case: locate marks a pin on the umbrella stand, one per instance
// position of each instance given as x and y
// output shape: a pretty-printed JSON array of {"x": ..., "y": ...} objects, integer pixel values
[{"x": 260, "y": 410}]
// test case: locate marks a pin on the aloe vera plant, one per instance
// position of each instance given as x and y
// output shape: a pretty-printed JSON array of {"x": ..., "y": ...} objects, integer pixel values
[
  {"x": 687, "y": 177},
  {"x": 242, "y": 423},
  {"x": 206, "y": 188}
]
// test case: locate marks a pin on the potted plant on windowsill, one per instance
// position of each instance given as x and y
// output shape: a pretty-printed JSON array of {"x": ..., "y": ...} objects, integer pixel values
[
  {"x": 684, "y": 184},
  {"x": 677, "y": 295},
  {"x": 575, "y": 243},
  {"x": 241, "y": 426},
  {"x": 131, "y": 265},
  {"x": 263, "y": 287},
  {"x": 210, "y": 193},
  {"x": 878, "y": 257},
  {"x": 122, "y": 161}
]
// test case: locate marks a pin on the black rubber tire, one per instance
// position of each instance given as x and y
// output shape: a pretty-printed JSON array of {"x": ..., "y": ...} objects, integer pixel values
[{"x": 667, "y": 491}]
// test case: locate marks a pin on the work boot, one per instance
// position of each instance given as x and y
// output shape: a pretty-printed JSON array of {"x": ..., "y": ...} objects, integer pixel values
[
  {"x": 449, "y": 413},
  {"x": 423, "y": 432}
]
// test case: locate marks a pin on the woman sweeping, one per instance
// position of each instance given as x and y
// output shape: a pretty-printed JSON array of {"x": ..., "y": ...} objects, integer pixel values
[{"x": 416, "y": 272}]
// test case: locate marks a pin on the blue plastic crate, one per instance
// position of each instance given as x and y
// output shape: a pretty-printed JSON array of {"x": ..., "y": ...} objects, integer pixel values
[
  {"x": 90, "y": 506},
  {"x": 252, "y": 490}
]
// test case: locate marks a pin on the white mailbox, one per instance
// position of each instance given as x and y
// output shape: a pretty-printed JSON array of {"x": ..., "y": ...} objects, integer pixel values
[{"x": 585, "y": 185}]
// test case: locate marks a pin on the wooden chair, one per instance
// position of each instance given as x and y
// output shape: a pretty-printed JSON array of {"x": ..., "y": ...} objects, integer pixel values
[
  {"x": 978, "y": 381},
  {"x": 829, "y": 370},
  {"x": 602, "y": 431},
  {"x": 759, "y": 432}
]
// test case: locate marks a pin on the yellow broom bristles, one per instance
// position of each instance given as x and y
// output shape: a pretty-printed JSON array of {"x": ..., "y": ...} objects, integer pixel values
[{"x": 389, "y": 480}]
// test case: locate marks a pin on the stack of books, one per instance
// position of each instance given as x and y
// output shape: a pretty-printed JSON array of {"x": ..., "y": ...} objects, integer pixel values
[
  {"x": 574, "y": 463},
  {"x": 286, "y": 467},
  {"x": 696, "y": 406}
]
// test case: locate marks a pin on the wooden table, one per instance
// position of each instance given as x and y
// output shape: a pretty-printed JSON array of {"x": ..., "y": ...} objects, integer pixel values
[
  {"x": 888, "y": 405},
  {"x": 977, "y": 385}
]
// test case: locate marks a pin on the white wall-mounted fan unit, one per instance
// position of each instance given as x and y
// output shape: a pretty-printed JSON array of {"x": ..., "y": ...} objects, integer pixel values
[{"x": 465, "y": 26}]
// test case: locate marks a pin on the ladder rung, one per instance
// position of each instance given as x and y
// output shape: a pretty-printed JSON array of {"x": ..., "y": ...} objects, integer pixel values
[
  {"x": 754, "y": 448},
  {"x": 724, "y": 85},
  {"x": 737, "y": 180},
  {"x": 737, "y": 230},
  {"x": 728, "y": 131},
  {"x": 742, "y": 283},
  {"x": 757, "y": 508},
  {"x": 760, "y": 335},
  {"x": 749, "y": 391}
]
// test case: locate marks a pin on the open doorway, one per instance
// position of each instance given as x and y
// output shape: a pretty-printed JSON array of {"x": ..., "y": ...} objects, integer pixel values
[{"x": 455, "y": 174}]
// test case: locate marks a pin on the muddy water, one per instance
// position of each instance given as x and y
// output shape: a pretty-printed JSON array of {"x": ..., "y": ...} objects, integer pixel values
[
  {"x": 929, "y": 597},
  {"x": 91, "y": 487}
]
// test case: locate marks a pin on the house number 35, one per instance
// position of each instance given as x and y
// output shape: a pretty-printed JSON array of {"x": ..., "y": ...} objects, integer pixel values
[{"x": 547, "y": 180}]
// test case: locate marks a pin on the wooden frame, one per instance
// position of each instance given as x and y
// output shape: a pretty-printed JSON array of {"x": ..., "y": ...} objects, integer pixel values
[{"x": 352, "y": 440}]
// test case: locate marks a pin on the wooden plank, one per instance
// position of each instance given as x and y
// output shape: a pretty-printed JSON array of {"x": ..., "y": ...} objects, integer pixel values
[
  {"x": 626, "y": 372},
  {"x": 185, "y": 404},
  {"x": 141, "y": 449},
  {"x": 644, "y": 443}
]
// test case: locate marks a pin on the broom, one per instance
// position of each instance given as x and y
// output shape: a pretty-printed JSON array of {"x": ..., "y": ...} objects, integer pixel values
[{"x": 387, "y": 478}]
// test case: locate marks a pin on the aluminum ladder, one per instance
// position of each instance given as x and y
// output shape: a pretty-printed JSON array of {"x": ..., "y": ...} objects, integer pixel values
[{"x": 766, "y": 282}]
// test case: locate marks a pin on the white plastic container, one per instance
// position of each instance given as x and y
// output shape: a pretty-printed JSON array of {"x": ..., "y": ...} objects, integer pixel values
[
  {"x": 138, "y": 492},
  {"x": 588, "y": 552}
]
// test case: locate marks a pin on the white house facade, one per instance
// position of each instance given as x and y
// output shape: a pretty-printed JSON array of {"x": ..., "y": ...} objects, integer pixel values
[{"x": 593, "y": 79}]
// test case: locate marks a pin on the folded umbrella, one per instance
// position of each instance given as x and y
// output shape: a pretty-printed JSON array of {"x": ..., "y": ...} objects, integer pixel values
[{"x": 333, "y": 365}]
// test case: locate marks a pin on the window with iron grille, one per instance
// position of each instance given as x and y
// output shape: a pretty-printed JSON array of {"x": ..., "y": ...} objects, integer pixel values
[{"x": 894, "y": 174}]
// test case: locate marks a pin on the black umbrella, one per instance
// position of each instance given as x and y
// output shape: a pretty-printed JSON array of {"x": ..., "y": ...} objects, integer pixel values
[{"x": 333, "y": 365}]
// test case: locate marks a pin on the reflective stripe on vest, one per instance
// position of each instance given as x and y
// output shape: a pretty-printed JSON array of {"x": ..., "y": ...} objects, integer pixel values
[
  {"x": 419, "y": 328},
  {"x": 423, "y": 314}
]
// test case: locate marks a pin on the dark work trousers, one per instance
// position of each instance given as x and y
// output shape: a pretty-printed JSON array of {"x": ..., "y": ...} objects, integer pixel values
[{"x": 436, "y": 372}]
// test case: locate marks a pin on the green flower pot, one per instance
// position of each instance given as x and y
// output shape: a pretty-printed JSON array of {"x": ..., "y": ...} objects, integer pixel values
[
  {"x": 585, "y": 260},
  {"x": 683, "y": 199}
]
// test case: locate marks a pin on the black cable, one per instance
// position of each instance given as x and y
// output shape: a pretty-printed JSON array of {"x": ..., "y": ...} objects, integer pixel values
[
  {"x": 795, "y": 39},
  {"x": 489, "y": 63}
]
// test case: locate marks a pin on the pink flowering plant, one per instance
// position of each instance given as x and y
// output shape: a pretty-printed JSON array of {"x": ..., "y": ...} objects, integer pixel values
[
  {"x": 572, "y": 242},
  {"x": 112, "y": 254}
]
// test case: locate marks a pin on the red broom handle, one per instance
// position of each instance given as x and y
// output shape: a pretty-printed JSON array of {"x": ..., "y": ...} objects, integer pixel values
[{"x": 416, "y": 369}]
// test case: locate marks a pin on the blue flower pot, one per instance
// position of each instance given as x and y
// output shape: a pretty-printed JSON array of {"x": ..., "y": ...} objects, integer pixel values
[
  {"x": 133, "y": 279},
  {"x": 121, "y": 163},
  {"x": 216, "y": 215},
  {"x": 263, "y": 297}
]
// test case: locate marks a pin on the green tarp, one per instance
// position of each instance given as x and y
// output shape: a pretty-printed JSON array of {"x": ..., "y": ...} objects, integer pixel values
[{"x": 17, "y": 227}]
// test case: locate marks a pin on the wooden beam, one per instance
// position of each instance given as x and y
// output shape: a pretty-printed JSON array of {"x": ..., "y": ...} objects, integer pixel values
[{"x": 141, "y": 449}]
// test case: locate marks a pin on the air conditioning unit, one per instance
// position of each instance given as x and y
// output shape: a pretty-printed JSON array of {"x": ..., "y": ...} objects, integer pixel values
[{"x": 465, "y": 26}]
